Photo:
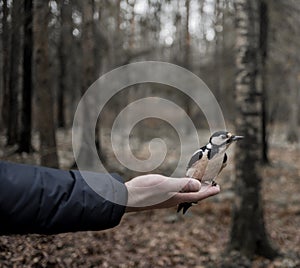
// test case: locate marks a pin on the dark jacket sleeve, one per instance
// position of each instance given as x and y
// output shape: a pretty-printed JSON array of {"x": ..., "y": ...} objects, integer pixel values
[{"x": 37, "y": 199}]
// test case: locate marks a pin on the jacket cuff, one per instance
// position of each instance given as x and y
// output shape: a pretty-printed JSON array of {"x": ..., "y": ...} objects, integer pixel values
[{"x": 106, "y": 199}]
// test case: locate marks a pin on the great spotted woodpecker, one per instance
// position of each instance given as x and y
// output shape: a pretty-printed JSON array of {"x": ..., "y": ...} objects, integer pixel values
[{"x": 207, "y": 162}]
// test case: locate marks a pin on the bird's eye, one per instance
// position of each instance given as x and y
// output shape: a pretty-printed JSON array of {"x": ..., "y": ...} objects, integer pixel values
[{"x": 223, "y": 137}]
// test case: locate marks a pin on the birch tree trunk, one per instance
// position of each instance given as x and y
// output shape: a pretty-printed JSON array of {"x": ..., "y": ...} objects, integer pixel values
[{"x": 248, "y": 233}]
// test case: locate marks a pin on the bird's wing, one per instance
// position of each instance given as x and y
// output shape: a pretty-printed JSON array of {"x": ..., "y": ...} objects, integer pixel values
[
  {"x": 213, "y": 168},
  {"x": 224, "y": 164},
  {"x": 195, "y": 157}
]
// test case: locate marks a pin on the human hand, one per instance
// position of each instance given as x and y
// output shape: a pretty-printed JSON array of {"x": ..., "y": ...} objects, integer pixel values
[{"x": 155, "y": 191}]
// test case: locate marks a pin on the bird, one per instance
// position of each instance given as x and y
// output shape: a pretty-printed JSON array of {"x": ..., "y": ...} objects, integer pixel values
[{"x": 207, "y": 162}]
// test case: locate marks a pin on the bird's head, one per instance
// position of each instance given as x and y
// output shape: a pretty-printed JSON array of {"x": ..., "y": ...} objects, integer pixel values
[{"x": 223, "y": 139}]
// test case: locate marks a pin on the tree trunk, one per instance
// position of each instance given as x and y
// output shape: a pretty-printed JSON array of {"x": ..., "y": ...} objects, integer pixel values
[
  {"x": 64, "y": 55},
  {"x": 293, "y": 133},
  {"x": 179, "y": 36},
  {"x": 26, "y": 124},
  {"x": 132, "y": 25},
  {"x": 218, "y": 53},
  {"x": 44, "y": 96},
  {"x": 204, "y": 43},
  {"x": 248, "y": 234},
  {"x": 5, "y": 66},
  {"x": 263, "y": 48},
  {"x": 118, "y": 16},
  {"x": 89, "y": 70},
  {"x": 187, "y": 55},
  {"x": 61, "y": 120},
  {"x": 14, "y": 75},
  {"x": 187, "y": 50}
]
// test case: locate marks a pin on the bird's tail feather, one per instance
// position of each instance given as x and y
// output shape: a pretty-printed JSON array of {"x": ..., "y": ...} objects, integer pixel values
[{"x": 184, "y": 207}]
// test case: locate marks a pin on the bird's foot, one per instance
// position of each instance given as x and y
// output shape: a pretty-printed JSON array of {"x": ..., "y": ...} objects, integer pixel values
[{"x": 213, "y": 183}]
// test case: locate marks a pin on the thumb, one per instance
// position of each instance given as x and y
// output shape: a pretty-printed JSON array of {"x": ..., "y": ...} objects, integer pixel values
[
  {"x": 180, "y": 185},
  {"x": 193, "y": 185},
  {"x": 183, "y": 184}
]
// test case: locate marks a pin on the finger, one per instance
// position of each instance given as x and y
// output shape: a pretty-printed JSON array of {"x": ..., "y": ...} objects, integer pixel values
[
  {"x": 192, "y": 186},
  {"x": 197, "y": 196},
  {"x": 182, "y": 185}
]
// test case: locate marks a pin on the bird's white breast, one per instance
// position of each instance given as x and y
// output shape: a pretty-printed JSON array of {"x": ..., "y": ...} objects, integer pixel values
[{"x": 213, "y": 167}]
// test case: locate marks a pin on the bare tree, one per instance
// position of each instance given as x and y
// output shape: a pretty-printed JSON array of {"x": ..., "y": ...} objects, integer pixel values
[
  {"x": 248, "y": 233},
  {"x": 263, "y": 48},
  {"x": 118, "y": 16},
  {"x": 65, "y": 47},
  {"x": 5, "y": 65},
  {"x": 90, "y": 75},
  {"x": 202, "y": 26},
  {"x": 218, "y": 47},
  {"x": 187, "y": 50},
  {"x": 14, "y": 75},
  {"x": 132, "y": 25},
  {"x": 292, "y": 68},
  {"x": 293, "y": 86},
  {"x": 44, "y": 97},
  {"x": 26, "y": 122}
]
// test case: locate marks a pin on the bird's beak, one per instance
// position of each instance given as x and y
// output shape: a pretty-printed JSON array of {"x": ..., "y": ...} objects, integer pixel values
[{"x": 236, "y": 138}]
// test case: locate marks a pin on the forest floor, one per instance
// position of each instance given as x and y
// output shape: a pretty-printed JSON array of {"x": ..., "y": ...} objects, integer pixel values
[{"x": 161, "y": 238}]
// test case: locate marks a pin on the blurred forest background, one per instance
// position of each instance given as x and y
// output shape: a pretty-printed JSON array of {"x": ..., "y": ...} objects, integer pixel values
[
  {"x": 76, "y": 42},
  {"x": 52, "y": 51}
]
